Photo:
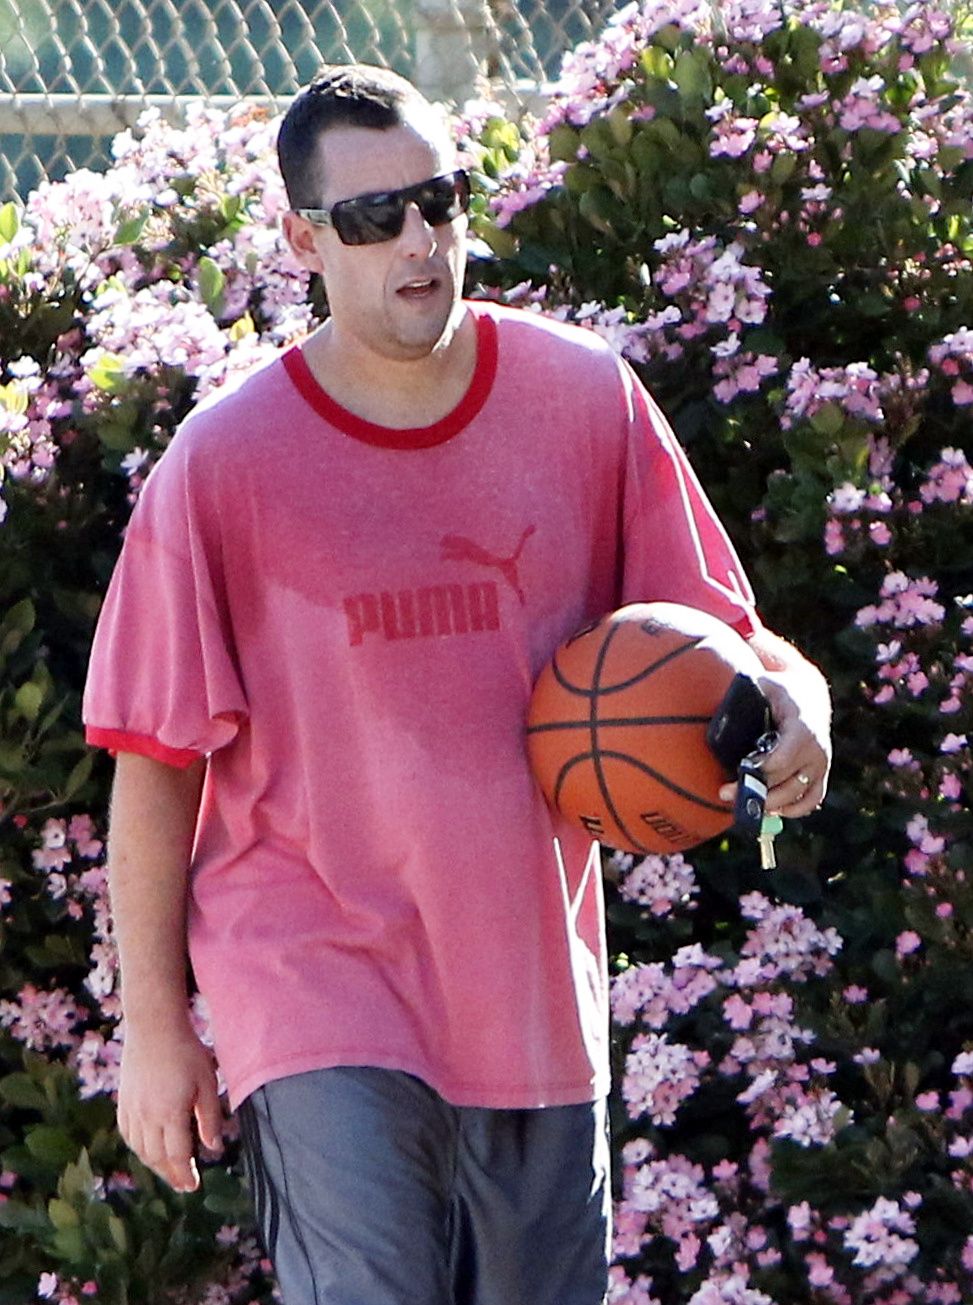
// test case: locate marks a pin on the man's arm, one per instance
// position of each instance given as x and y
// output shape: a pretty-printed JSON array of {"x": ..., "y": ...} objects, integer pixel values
[
  {"x": 167, "y": 1075},
  {"x": 797, "y": 769}
]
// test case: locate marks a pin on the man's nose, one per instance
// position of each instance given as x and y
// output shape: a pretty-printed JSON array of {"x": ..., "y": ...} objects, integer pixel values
[{"x": 418, "y": 236}]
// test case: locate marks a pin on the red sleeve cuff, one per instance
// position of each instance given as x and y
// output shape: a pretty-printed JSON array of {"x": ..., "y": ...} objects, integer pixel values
[{"x": 144, "y": 744}]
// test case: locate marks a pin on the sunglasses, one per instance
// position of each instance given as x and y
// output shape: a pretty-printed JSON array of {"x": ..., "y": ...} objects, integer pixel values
[{"x": 370, "y": 219}]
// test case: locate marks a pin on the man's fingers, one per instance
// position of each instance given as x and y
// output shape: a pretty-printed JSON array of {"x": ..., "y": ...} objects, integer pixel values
[
  {"x": 209, "y": 1117},
  {"x": 178, "y": 1167}
]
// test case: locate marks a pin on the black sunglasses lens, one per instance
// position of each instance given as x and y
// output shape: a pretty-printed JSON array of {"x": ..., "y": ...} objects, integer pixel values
[
  {"x": 371, "y": 219},
  {"x": 443, "y": 199},
  {"x": 368, "y": 221}
]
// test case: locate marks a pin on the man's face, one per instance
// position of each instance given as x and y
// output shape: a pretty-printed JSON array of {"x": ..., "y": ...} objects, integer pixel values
[{"x": 397, "y": 297}]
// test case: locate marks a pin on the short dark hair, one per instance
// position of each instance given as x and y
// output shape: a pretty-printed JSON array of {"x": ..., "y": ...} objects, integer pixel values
[{"x": 342, "y": 95}]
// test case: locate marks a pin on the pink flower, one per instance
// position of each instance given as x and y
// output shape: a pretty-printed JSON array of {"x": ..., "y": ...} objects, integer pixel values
[
  {"x": 855, "y": 995},
  {"x": 927, "y": 1101},
  {"x": 879, "y": 533},
  {"x": 962, "y": 393},
  {"x": 737, "y": 1013},
  {"x": 950, "y": 786},
  {"x": 881, "y": 1238},
  {"x": 819, "y": 1272},
  {"x": 907, "y": 942},
  {"x": 953, "y": 743},
  {"x": 834, "y": 538}
]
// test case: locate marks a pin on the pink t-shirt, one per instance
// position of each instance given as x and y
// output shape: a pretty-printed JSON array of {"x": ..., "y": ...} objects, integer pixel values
[{"x": 348, "y": 620}]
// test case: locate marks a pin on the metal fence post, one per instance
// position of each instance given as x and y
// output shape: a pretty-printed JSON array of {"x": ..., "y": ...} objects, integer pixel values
[{"x": 455, "y": 46}]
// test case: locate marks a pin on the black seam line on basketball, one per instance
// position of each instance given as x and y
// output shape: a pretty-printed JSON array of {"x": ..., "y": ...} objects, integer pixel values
[
  {"x": 619, "y": 720},
  {"x": 625, "y": 684},
  {"x": 595, "y": 751},
  {"x": 667, "y": 783},
  {"x": 585, "y": 756},
  {"x": 562, "y": 776}
]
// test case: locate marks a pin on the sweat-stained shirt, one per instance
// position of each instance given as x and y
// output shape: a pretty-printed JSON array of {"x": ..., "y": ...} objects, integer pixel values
[{"x": 348, "y": 619}]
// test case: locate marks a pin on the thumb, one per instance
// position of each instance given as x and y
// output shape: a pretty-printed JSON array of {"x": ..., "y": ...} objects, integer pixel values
[{"x": 208, "y": 1115}]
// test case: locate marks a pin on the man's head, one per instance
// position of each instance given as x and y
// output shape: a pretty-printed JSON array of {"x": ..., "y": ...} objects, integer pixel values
[
  {"x": 393, "y": 264},
  {"x": 345, "y": 95}
]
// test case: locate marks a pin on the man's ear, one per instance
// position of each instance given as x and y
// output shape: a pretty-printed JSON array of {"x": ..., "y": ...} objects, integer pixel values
[{"x": 299, "y": 234}]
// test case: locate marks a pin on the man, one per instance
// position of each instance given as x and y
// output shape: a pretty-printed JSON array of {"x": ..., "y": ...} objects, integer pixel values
[{"x": 313, "y": 663}]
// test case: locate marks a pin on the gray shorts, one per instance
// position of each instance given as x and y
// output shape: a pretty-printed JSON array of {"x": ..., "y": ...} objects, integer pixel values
[{"x": 370, "y": 1189}]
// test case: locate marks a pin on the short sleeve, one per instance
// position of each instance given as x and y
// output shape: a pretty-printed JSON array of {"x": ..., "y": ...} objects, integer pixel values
[
  {"x": 675, "y": 547},
  {"x": 163, "y": 678}
]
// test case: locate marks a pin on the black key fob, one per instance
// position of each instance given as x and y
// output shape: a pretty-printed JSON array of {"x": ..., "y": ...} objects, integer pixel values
[
  {"x": 751, "y": 798},
  {"x": 738, "y": 722}
]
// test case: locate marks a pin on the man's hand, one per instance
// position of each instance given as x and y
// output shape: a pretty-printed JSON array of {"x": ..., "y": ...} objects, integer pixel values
[
  {"x": 168, "y": 1083},
  {"x": 797, "y": 769}
]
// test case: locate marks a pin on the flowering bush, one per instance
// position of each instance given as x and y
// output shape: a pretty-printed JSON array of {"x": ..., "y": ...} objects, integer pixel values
[
  {"x": 766, "y": 207},
  {"x": 124, "y": 297}
]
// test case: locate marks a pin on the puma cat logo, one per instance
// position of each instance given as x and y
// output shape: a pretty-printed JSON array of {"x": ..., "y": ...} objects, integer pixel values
[{"x": 457, "y": 548}]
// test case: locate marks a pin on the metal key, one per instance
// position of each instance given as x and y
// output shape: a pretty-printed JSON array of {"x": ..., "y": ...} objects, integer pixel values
[
  {"x": 752, "y": 787},
  {"x": 769, "y": 829}
]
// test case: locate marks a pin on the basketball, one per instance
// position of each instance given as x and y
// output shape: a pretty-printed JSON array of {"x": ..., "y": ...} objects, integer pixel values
[{"x": 616, "y": 730}]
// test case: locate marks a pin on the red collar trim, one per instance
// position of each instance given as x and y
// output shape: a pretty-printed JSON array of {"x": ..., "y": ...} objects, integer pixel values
[{"x": 419, "y": 437}]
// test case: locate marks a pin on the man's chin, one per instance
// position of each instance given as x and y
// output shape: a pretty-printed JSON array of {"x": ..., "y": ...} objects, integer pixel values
[{"x": 418, "y": 339}]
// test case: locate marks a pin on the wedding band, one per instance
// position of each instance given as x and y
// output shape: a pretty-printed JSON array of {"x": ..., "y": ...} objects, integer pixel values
[{"x": 804, "y": 779}]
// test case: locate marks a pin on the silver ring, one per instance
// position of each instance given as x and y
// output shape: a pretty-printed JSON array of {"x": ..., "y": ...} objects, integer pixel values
[{"x": 804, "y": 779}]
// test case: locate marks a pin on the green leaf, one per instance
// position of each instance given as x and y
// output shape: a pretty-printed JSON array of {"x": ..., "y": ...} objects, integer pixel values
[
  {"x": 108, "y": 373},
  {"x": 581, "y": 178},
  {"x": 597, "y": 138},
  {"x": 129, "y": 231},
  {"x": 620, "y": 124},
  {"x": 231, "y": 206},
  {"x": 21, "y": 1090},
  {"x": 79, "y": 776},
  {"x": 829, "y": 419},
  {"x": 69, "y": 1244},
  {"x": 62, "y": 1214},
  {"x": 20, "y": 621},
  {"x": 782, "y": 168},
  {"x": 9, "y": 222},
  {"x": 691, "y": 74},
  {"x": 118, "y": 1234},
  {"x": 657, "y": 63},
  {"x": 12, "y": 759},
  {"x": 28, "y": 700},
  {"x": 78, "y": 1180},
  {"x": 211, "y": 284},
  {"x": 22, "y": 1218},
  {"x": 51, "y": 1145},
  {"x": 563, "y": 144},
  {"x": 56, "y": 949},
  {"x": 665, "y": 131},
  {"x": 501, "y": 241},
  {"x": 594, "y": 206}
]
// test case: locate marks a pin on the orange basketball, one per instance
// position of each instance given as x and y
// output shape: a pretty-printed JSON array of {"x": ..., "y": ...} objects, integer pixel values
[{"x": 617, "y": 726}]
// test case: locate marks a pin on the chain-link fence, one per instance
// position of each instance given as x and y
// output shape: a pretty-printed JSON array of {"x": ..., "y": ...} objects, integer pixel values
[{"x": 74, "y": 72}]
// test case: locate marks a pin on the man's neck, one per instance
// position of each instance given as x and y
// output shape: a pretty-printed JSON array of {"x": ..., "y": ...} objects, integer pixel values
[{"x": 401, "y": 394}]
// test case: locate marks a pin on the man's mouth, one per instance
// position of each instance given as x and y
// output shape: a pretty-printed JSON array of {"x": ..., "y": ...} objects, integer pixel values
[{"x": 418, "y": 288}]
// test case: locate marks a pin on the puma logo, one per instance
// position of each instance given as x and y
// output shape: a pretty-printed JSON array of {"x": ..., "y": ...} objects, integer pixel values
[{"x": 457, "y": 548}]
